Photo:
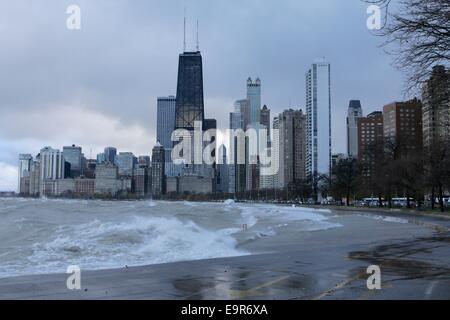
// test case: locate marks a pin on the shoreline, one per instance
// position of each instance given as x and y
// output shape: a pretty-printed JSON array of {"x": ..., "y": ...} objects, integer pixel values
[
  {"x": 383, "y": 210},
  {"x": 301, "y": 266}
]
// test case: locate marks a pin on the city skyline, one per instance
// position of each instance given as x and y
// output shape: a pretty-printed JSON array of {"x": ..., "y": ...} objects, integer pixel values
[
  {"x": 136, "y": 131},
  {"x": 227, "y": 151}
]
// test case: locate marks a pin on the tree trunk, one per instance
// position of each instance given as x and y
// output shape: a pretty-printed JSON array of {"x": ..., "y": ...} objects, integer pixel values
[
  {"x": 390, "y": 200},
  {"x": 347, "y": 200},
  {"x": 419, "y": 199},
  {"x": 380, "y": 200},
  {"x": 433, "y": 198},
  {"x": 408, "y": 202},
  {"x": 441, "y": 198}
]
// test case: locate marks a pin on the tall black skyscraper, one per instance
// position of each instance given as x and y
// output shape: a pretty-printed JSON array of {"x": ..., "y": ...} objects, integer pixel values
[{"x": 190, "y": 104}]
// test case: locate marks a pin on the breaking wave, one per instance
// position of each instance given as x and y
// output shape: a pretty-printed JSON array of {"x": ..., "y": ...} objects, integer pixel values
[
  {"x": 45, "y": 236},
  {"x": 141, "y": 241}
]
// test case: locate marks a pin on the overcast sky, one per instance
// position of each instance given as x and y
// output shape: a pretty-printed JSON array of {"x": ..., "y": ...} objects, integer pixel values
[{"x": 98, "y": 86}]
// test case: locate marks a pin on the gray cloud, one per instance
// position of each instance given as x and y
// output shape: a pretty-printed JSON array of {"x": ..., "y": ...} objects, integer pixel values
[{"x": 126, "y": 55}]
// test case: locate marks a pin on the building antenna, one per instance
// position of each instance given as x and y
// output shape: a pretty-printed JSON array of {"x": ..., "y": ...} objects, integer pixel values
[
  {"x": 198, "y": 45},
  {"x": 184, "y": 31}
]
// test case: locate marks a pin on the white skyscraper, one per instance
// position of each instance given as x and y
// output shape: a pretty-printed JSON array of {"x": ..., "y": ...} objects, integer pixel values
[
  {"x": 318, "y": 111},
  {"x": 52, "y": 167}
]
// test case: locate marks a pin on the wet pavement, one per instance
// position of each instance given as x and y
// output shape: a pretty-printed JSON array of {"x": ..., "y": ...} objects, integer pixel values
[{"x": 327, "y": 265}]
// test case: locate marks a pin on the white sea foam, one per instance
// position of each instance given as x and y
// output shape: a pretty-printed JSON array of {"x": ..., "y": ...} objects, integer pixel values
[
  {"x": 383, "y": 218},
  {"x": 190, "y": 204},
  {"x": 284, "y": 213},
  {"x": 45, "y": 236},
  {"x": 264, "y": 220},
  {"x": 249, "y": 216},
  {"x": 388, "y": 219},
  {"x": 141, "y": 240}
]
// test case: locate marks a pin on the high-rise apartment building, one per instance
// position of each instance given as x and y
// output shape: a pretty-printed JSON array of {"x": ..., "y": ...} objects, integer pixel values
[
  {"x": 266, "y": 181},
  {"x": 25, "y": 163},
  {"x": 292, "y": 146},
  {"x": 318, "y": 112},
  {"x": 402, "y": 124},
  {"x": 370, "y": 142},
  {"x": 353, "y": 114},
  {"x": 52, "y": 168},
  {"x": 158, "y": 170},
  {"x": 52, "y": 164},
  {"x": 275, "y": 152},
  {"x": 35, "y": 177},
  {"x": 436, "y": 107}
]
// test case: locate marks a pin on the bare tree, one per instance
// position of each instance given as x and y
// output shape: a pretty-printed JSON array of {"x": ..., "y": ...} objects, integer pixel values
[
  {"x": 410, "y": 177},
  {"x": 417, "y": 35},
  {"x": 344, "y": 179},
  {"x": 438, "y": 171},
  {"x": 372, "y": 170},
  {"x": 302, "y": 189}
]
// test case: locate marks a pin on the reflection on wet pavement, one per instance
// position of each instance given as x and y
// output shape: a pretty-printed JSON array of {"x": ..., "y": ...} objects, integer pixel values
[
  {"x": 243, "y": 283},
  {"x": 408, "y": 259}
]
